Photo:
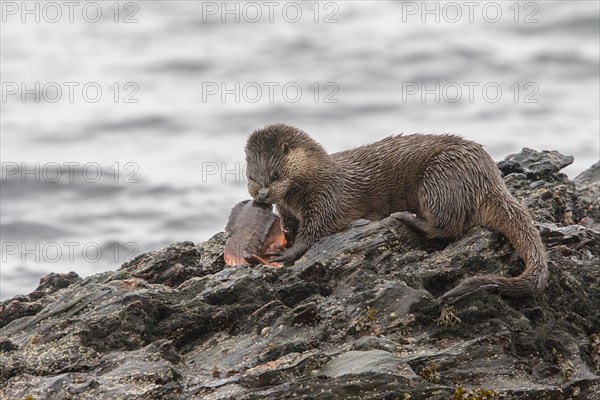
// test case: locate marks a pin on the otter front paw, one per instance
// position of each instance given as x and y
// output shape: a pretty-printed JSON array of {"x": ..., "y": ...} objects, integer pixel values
[{"x": 289, "y": 255}]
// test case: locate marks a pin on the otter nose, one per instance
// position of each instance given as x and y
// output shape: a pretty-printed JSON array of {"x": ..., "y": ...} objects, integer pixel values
[{"x": 262, "y": 194}]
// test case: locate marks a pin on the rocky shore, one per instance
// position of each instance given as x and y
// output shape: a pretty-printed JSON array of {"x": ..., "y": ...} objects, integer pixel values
[{"x": 355, "y": 318}]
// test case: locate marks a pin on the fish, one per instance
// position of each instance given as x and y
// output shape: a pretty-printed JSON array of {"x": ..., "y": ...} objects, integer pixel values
[{"x": 254, "y": 233}]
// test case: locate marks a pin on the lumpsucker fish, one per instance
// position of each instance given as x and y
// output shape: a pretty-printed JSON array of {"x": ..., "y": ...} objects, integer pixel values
[{"x": 254, "y": 232}]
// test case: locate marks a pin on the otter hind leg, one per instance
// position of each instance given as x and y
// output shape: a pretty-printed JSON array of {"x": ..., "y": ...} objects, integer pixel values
[{"x": 422, "y": 225}]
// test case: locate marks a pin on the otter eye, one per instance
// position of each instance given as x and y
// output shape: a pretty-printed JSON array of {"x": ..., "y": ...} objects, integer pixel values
[{"x": 274, "y": 176}]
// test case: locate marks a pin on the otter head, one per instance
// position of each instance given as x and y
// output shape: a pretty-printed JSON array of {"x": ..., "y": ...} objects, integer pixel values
[{"x": 277, "y": 162}]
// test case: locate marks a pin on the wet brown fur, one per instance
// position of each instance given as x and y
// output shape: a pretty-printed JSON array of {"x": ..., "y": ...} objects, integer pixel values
[{"x": 444, "y": 185}]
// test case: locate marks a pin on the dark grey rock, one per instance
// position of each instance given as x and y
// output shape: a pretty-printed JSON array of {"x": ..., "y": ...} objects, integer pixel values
[
  {"x": 588, "y": 191},
  {"x": 367, "y": 362},
  {"x": 589, "y": 176},
  {"x": 536, "y": 165},
  {"x": 355, "y": 318}
]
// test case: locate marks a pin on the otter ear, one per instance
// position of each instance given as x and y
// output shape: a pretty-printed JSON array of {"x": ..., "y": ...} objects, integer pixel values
[{"x": 285, "y": 147}]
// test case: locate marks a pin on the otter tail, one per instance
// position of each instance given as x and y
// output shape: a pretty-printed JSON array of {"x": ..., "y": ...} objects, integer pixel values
[{"x": 501, "y": 212}]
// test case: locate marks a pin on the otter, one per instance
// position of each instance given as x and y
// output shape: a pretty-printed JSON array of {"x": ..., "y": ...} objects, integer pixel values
[{"x": 440, "y": 185}]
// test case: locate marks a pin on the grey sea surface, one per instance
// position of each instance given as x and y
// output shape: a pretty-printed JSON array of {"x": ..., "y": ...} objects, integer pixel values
[{"x": 124, "y": 131}]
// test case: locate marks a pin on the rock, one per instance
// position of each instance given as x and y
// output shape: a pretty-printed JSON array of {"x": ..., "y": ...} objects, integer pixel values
[
  {"x": 367, "y": 363},
  {"x": 588, "y": 190},
  {"x": 534, "y": 164},
  {"x": 31, "y": 304},
  {"x": 590, "y": 176},
  {"x": 355, "y": 318}
]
